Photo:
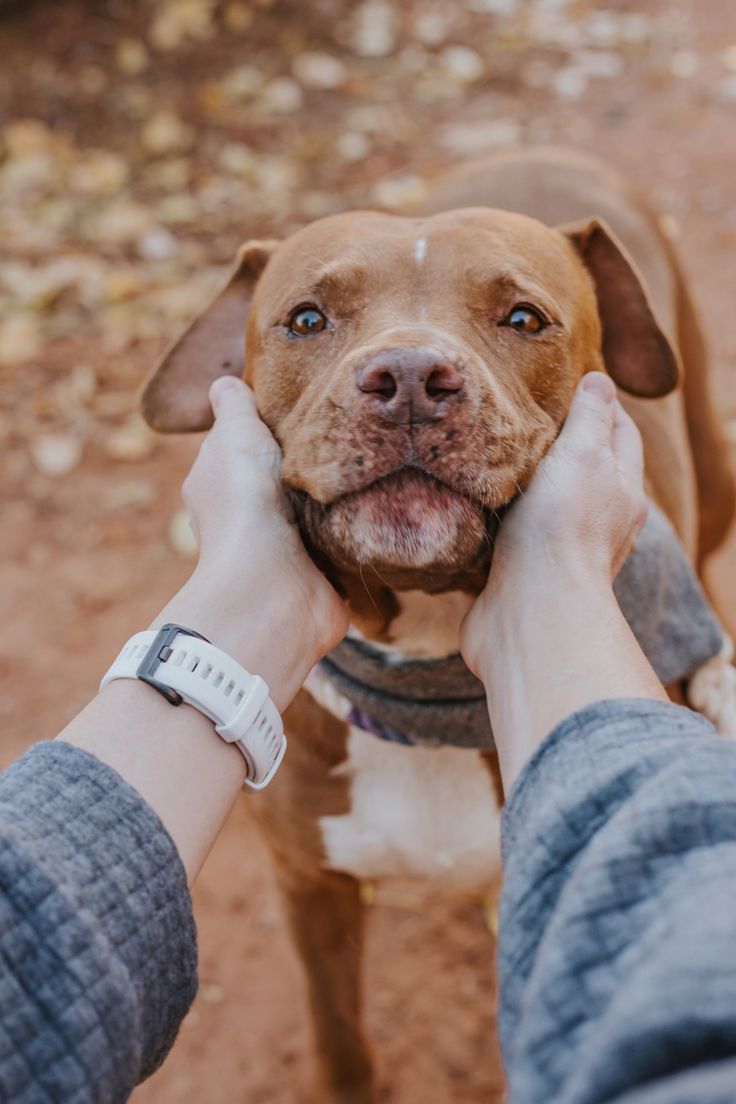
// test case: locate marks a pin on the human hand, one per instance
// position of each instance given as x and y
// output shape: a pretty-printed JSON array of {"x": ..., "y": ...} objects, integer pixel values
[
  {"x": 579, "y": 517},
  {"x": 257, "y": 591}
]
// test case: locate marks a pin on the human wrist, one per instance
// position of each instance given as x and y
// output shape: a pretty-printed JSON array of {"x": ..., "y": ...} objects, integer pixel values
[
  {"x": 550, "y": 565},
  {"x": 260, "y": 625},
  {"x": 534, "y": 597},
  {"x": 545, "y": 659}
]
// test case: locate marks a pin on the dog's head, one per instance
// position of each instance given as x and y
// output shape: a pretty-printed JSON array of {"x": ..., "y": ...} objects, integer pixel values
[{"x": 415, "y": 371}]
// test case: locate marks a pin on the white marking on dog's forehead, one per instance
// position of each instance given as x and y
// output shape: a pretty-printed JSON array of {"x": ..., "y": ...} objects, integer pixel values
[{"x": 420, "y": 250}]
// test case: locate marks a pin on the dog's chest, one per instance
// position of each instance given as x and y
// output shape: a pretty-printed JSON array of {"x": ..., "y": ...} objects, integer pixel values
[{"x": 415, "y": 812}]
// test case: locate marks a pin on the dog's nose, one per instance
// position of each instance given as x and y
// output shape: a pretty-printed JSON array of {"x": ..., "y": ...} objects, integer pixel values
[{"x": 407, "y": 386}]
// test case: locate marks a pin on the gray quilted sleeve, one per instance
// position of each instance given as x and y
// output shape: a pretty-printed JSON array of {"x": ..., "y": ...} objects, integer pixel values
[
  {"x": 98, "y": 960},
  {"x": 617, "y": 941}
]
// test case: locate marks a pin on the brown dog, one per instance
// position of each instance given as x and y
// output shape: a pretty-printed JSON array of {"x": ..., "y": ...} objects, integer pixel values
[{"x": 414, "y": 372}]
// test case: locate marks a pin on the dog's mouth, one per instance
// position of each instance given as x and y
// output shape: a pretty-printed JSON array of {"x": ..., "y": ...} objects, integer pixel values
[{"x": 407, "y": 520}]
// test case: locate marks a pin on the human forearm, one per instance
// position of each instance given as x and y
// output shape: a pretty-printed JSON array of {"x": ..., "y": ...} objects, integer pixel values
[
  {"x": 546, "y": 636},
  {"x": 564, "y": 647},
  {"x": 256, "y": 595},
  {"x": 97, "y": 938},
  {"x": 617, "y": 912},
  {"x": 242, "y": 611},
  {"x": 173, "y": 756}
]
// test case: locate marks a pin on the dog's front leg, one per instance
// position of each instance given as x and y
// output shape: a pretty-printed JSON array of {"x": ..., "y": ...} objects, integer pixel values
[{"x": 325, "y": 915}]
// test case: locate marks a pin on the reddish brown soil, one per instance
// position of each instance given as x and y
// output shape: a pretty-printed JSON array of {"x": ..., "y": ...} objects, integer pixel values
[{"x": 86, "y": 559}]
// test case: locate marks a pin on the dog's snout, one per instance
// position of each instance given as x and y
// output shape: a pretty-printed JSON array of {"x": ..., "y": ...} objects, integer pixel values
[{"x": 409, "y": 385}]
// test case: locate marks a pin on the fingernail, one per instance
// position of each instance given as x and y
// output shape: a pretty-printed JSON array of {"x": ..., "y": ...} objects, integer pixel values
[
  {"x": 595, "y": 383},
  {"x": 222, "y": 385},
  {"x": 225, "y": 383}
]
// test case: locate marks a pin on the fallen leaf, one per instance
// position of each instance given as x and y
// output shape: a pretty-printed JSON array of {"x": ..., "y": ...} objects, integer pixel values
[
  {"x": 178, "y": 20},
  {"x": 432, "y": 27},
  {"x": 131, "y": 442},
  {"x": 75, "y": 390},
  {"x": 122, "y": 282},
  {"x": 569, "y": 83},
  {"x": 396, "y": 192},
  {"x": 603, "y": 64},
  {"x": 374, "y": 32},
  {"x": 133, "y": 492},
  {"x": 38, "y": 287},
  {"x": 131, "y": 56},
  {"x": 281, "y": 96},
  {"x": 36, "y": 170},
  {"x": 26, "y": 136},
  {"x": 238, "y": 159},
  {"x": 726, "y": 90},
  {"x": 98, "y": 173},
  {"x": 353, "y": 146},
  {"x": 120, "y": 223},
  {"x": 495, "y": 7},
  {"x": 165, "y": 133},
  {"x": 93, "y": 79},
  {"x": 56, "y": 454},
  {"x": 462, "y": 64},
  {"x": 317, "y": 70},
  {"x": 237, "y": 16},
  {"x": 178, "y": 208},
  {"x": 315, "y": 205},
  {"x": 157, "y": 245},
  {"x": 20, "y": 339},
  {"x": 469, "y": 139},
  {"x": 180, "y": 535},
  {"x": 111, "y": 404},
  {"x": 684, "y": 64},
  {"x": 241, "y": 82},
  {"x": 169, "y": 175}
]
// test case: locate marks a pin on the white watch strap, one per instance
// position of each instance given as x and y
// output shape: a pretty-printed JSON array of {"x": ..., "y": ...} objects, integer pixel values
[{"x": 215, "y": 684}]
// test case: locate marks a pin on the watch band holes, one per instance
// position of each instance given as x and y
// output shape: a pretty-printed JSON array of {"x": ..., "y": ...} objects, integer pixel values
[
  {"x": 229, "y": 689},
  {"x": 219, "y": 678},
  {"x": 239, "y": 697},
  {"x": 193, "y": 663},
  {"x": 179, "y": 658},
  {"x": 206, "y": 671}
]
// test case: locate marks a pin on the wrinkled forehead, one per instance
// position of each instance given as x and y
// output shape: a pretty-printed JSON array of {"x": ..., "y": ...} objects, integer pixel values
[{"x": 365, "y": 251}]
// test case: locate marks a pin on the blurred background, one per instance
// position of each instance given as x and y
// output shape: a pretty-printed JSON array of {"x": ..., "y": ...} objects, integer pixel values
[{"x": 140, "y": 142}]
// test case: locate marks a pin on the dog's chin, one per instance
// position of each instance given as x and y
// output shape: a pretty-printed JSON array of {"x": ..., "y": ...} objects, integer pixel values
[{"x": 405, "y": 522}]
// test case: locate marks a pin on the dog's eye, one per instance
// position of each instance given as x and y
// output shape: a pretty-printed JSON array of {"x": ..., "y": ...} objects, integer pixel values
[
  {"x": 306, "y": 320},
  {"x": 525, "y": 319}
]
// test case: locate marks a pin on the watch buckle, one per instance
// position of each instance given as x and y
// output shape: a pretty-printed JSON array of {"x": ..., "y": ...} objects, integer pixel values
[{"x": 158, "y": 653}]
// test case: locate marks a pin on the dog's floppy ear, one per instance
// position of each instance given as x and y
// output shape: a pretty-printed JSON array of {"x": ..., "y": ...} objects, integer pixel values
[
  {"x": 175, "y": 397},
  {"x": 637, "y": 355}
]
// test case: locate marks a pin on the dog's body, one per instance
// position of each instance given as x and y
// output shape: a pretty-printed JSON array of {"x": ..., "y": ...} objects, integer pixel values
[{"x": 347, "y": 806}]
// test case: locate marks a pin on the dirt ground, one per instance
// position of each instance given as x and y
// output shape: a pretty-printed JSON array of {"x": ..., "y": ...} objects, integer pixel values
[{"x": 140, "y": 143}]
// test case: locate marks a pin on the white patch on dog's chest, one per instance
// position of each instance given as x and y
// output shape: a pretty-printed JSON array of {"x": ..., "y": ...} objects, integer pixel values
[
  {"x": 416, "y": 813},
  {"x": 427, "y": 626}
]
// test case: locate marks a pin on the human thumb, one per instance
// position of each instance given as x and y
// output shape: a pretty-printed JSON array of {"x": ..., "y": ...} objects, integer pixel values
[
  {"x": 592, "y": 410},
  {"x": 230, "y": 397}
]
